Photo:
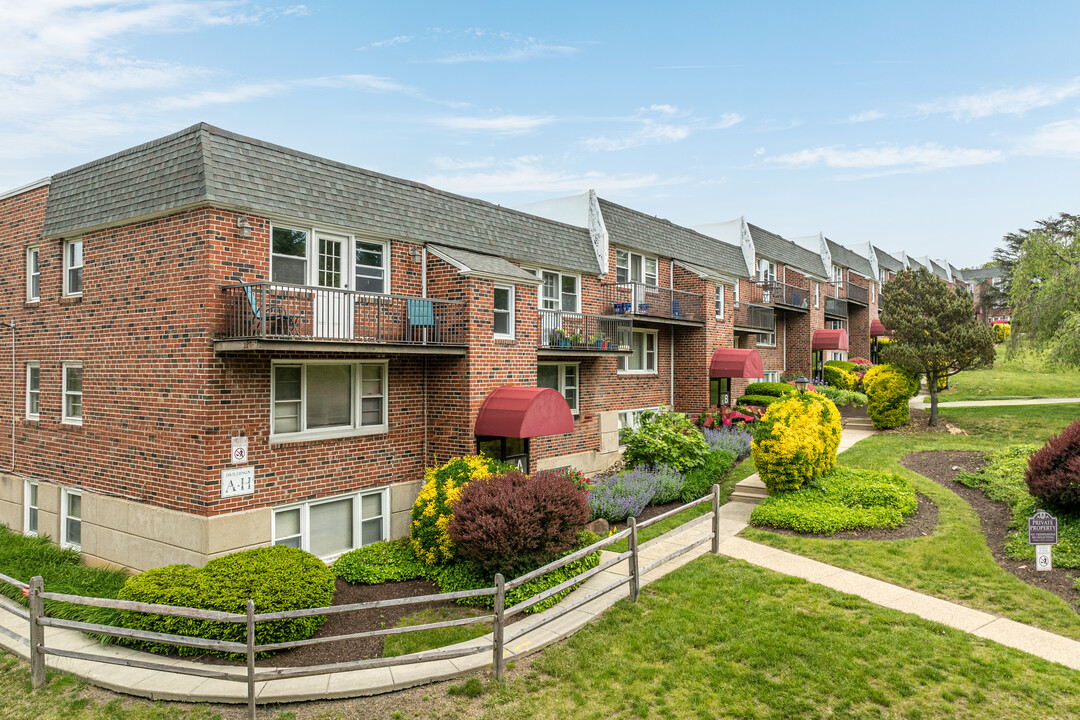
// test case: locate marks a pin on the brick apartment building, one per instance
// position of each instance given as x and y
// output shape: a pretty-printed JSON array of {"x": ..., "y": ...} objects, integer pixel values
[{"x": 220, "y": 343}]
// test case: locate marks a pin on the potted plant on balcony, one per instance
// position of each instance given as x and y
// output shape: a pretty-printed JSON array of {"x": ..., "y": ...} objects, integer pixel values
[
  {"x": 600, "y": 340},
  {"x": 576, "y": 338},
  {"x": 559, "y": 338}
]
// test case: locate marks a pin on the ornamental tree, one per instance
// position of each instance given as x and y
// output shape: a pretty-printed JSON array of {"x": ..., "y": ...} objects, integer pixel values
[{"x": 934, "y": 332}]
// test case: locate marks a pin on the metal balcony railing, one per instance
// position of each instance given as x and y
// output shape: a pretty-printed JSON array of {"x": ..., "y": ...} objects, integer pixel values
[
  {"x": 835, "y": 306},
  {"x": 577, "y": 331},
  {"x": 754, "y": 317},
  {"x": 836, "y": 290},
  {"x": 275, "y": 311},
  {"x": 639, "y": 299},
  {"x": 857, "y": 293},
  {"x": 771, "y": 292}
]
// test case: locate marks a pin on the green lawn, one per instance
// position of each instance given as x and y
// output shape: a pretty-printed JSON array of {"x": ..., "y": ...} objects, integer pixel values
[
  {"x": 1025, "y": 375},
  {"x": 955, "y": 562}
]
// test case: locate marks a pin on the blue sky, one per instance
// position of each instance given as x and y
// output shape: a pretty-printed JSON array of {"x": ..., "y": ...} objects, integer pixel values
[{"x": 930, "y": 127}]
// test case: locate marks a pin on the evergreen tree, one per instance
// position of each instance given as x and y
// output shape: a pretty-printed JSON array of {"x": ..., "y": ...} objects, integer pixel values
[{"x": 934, "y": 330}]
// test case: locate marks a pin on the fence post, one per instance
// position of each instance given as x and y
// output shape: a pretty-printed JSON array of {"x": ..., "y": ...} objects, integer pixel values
[
  {"x": 37, "y": 633},
  {"x": 635, "y": 581},
  {"x": 497, "y": 662},
  {"x": 716, "y": 519},
  {"x": 251, "y": 658}
]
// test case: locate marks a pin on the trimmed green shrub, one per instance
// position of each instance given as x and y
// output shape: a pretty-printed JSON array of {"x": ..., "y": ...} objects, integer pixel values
[
  {"x": 277, "y": 578},
  {"x": 665, "y": 438},
  {"x": 700, "y": 480},
  {"x": 512, "y": 522},
  {"x": 384, "y": 561},
  {"x": 845, "y": 499},
  {"x": 840, "y": 378},
  {"x": 795, "y": 441},
  {"x": 839, "y": 397},
  {"x": 467, "y": 575},
  {"x": 842, "y": 364},
  {"x": 433, "y": 508},
  {"x": 760, "y": 400},
  {"x": 888, "y": 389},
  {"x": 773, "y": 389},
  {"x": 1053, "y": 473}
]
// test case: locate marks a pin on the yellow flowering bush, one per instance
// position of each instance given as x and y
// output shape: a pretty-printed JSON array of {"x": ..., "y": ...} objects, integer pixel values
[
  {"x": 796, "y": 441},
  {"x": 1002, "y": 332},
  {"x": 433, "y": 508}
]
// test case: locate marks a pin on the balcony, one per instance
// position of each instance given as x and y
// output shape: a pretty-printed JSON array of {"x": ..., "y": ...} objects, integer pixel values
[
  {"x": 771, "y": 292},
  {"x": 754, "y": 318},
  {"x": 581, "y": 335},
  {"x": 836, "y": 307},
  {"x": 654, "y": 304},
  {"x": 265, "y": 316},
  {"x": 858, "y": 294}
]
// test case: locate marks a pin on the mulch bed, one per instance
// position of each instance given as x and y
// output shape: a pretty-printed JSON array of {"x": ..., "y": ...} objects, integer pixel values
[
  {"x": 919, "y": 524},
  {"x": 942, "y": 466}
]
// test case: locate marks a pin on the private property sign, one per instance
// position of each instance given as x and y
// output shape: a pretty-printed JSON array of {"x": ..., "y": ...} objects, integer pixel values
[{"x": 1042, "y": 529}]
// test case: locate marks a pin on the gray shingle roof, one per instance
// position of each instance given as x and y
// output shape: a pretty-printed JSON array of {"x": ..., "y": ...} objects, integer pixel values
[
  {"x": 846, "y": 258},
  {"x": 887, "y": 261},
  {"x": 639, "y": 231},
  {"x": 204, "y": 164},
  {"x": 986, "y": 273},
  {"x": 772, "y": 246},
  {"x": 938, "y": 270},
  {"x": 484, "y": 264}
]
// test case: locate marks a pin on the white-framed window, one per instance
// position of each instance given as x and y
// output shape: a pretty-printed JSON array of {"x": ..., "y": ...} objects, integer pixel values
[
  {"x": 30, "y": 507},
  {"x": 766, "y": 271},
  {"x": 772, "y": 376},
  {"x": 719, "y": 309},
  {"x": 327, "y": 398},
  {"x": 837, "y": 355},
  {"x": 834, "y": 324},
  {"x": 881, "y": 275},
  {"x": 503, "y": 312},
  {"x": 817, "y": 295},
  {"x": 33, "y": 274},
  {"x": 562, "y": 377},
  {"x": 73, "y": 393},
  {"x": 631, "y": 419},
  {"x": 837, "y": 274},
  {"x": 329, "y": 527},
  {"x": 632, "y": 267},
  {"x": 300, "y": 255},
  {"x": 71, "y": 519},
  {"x": 767, "y": 339},
  {"x": 73, "y": 267},
  {"x": 559, "y": 291},
  {"x": 643, "y": 344},
  {"x": 33, "y": 390}
]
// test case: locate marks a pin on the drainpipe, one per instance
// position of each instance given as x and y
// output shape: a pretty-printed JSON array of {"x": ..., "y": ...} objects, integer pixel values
[{"x": 13, "y": 396}]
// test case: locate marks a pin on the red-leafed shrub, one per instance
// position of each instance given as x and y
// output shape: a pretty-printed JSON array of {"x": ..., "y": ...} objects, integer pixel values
[
  {"x": 1053, "y": 473},
  {"x": 513, "y": 523}
]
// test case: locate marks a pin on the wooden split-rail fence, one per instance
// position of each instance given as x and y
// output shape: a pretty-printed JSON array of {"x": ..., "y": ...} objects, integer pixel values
[{"x": 37, "y": 619}]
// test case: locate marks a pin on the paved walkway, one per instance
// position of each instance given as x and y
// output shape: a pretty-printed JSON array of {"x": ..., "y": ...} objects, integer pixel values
[
  {"x": 733, "y": 518},
  {"x": 921, "y": 402}
]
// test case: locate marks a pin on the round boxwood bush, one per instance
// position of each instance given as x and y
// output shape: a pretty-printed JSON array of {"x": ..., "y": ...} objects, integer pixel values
[
  {"x": 276, "y": 578},
  {"x": 795, "y": 441},
  {"x": 1053, "y": 473},
  {"x": 434, "y": 505},
  {"x": 383, "y": 561},
  {"x": 759, "y": 400},
  {"x": 838, "y": 377},
  {"x": 888, "y": 389},
  {"x": 770, "y": 388},
  {"x": 512, "y": 523}
]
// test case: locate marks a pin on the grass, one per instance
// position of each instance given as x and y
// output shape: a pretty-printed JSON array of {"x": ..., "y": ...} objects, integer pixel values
[
  {"x": 421, "y": 640},
  {"x": 955, "y": 562},
  {"x": 1024, "y": 375}
]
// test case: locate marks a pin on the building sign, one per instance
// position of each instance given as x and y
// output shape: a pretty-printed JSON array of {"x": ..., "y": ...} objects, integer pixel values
[
  {"x": 239, "y": 454},
  {"x": 1042, "y": 529},
  {"x": 237, "y": 481}
]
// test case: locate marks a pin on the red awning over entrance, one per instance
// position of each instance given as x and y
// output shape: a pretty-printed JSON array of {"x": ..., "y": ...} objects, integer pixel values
[
  {"x": 830, "y": 340},
  {"x": 876, "y": 328},
  {"x": 524, "y": 412},
  {"x": 736, "y": 363}
]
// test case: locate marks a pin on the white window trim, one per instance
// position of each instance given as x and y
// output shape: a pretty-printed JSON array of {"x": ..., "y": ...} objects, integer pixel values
[
  {"x": 65, "y": 495},
  {"x": 357, "y": 503},
  {"x": 67, "y": 268},
  {"x": 31, "y": 252},
  {"x": 27, "y": 506},
  {"x": 632, "y": 416},
  {"x": 719, "y": 301},
  {"x": 510, "y": 311},
  {"x": 348, "y": 269},
  {"x": 760, "y": 343},
  {"x": 354, "y": 429},
  {"x": 624, "y": 361},
  {"x": 630, "y": 264},
  {"x": 837, "y": 355},
  {"x": 33, "y": 364},
  {"x": 772, "y": 376},
  {"x": 562, "y": 381},
  {"x": 65, "y": 418},
  {"x": 817, "y": 295},
  {"x": 539, "y": 273}
]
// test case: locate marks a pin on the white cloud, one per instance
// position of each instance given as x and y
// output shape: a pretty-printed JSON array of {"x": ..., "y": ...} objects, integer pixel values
[
  {"x": 397, "y": 40},
  {"x": 866, "y": 116},
  {"x": 1007, "y": 101},
  {"x": 1055, "y": 139},
  {"x": 929, "y": 156},
  {"x": 499, "y": 46},
  {"x": 527, "y": 174},
  {"x": 502, "y": 124},
  {"x": 659, "y": 125},
  {"x": 528, "y": 51}
]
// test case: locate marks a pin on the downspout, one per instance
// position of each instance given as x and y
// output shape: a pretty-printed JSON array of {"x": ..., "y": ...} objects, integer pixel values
[
  {"x": 13, "y": 397},
  {"x": 671, "y": 341},
  {"x": 423, "y": 293}
]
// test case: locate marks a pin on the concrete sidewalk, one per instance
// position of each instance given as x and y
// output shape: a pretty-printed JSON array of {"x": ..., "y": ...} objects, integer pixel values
[{"x": 922, "y": 402}]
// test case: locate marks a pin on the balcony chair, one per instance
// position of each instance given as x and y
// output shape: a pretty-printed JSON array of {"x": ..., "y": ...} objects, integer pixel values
[
  {"x": 421, "y": 316},
  {"x": 277, "y": 321}
]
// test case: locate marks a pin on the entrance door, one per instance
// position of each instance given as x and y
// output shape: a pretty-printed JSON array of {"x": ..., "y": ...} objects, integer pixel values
[
  {"x": 818, "y": 368},
  {"x": 509, "y": 450},
  {"x": 333, "y": 307}
]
